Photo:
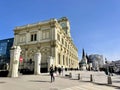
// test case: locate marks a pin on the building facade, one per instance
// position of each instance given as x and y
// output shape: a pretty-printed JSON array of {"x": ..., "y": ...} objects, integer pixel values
[
  {"x": 5, "y": 46},
  {"x": 51, "y": 38},
  {"x": 97, "y": 61}
]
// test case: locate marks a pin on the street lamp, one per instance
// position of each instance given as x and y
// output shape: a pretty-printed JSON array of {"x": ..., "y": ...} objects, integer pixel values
[{"x": 107, "y": 67}]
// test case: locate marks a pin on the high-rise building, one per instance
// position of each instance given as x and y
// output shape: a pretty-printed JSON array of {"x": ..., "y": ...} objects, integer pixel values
[
  {"x": 5, "y": 46},
  {"x": 97, "y": 61},
  {"x": 51, "y": 38}
]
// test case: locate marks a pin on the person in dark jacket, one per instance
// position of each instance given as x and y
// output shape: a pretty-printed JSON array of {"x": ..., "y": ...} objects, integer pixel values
[
  {"x": 55, "y": 69},
  {"x": 59, "y": 71},
  {"x": 51, "y": 74}
]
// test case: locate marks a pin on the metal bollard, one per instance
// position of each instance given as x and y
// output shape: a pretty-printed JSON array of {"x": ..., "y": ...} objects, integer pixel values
[
  {"x": 70, "y": 75},
  {"x": 91, "y": 77},
  {"x": 78, "y": 76},
  {"x": 109, "y": 80}
]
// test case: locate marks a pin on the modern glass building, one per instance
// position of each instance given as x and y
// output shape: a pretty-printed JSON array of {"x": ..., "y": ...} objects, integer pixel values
[{"x": 5, "y": 46}]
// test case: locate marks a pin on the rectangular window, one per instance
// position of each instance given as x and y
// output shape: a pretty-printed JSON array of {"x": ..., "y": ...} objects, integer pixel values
[
  {"x": 58, "y": 37},
  {"x": 58, "y": 58},
  {"x": 66, "y": 44},
  {"x": 62, "y": 41},
  {"x": 34, "y": 37},
  {"x": 22, "y": 38},
  {"x": 69, "y": 63},
  {"x": 3, "y": 48},
  {"x": 46, "y": 34},
  {"x": 63, "y": 60},
  {"x": 66, "y": 61},
  {"x": 31, "y": 37},
  {"x": 43, "y": 35}
]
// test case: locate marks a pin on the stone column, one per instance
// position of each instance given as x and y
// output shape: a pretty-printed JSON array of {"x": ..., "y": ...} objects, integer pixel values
[
  {"x": 39, "y": 35},
  {"x": 56, "y": 56},
  {"x": 37, "y": 59},
  {"x": 15, "y": 38},
  {"x": 61, "y": 58},
  {"x": 14, "y": 61},
  {"x": 26, "y": 54}
]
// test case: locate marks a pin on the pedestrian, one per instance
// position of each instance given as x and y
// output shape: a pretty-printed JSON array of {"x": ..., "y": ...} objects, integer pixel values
[
  {"x": 62, "y": 70},
  {"x": 55, "y": 69},
  {"x": 51, "y": 74},
  {"x": 59, "y": 71}
]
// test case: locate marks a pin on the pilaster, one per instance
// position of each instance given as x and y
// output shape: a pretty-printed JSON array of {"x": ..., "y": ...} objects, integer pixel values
[
  {"x": 27, "y": 36},
  {"x": 15, "y": 38}
]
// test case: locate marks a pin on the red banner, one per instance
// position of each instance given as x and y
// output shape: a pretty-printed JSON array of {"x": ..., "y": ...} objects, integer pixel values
[{"x": 21, "y": 59}]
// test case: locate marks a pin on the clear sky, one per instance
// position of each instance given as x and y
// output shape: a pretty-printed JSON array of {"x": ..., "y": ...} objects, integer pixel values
[{"x": 95, "y": 24}]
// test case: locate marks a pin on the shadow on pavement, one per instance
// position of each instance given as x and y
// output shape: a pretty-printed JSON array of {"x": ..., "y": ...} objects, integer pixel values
[
  {"x": 116, "y": 81},
  {"x": 63, "y": 77},
  {"x": 38, "y": 81},
  {"x": 103, "y": 84},
  {"x": 74, "y": 79},
  {"x": 2, "y": 82},
  {"x": 117, "y": 87}
]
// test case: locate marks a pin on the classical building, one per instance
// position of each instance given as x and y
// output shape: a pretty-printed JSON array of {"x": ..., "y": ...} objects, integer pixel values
[{"x": 52, "y": 39}]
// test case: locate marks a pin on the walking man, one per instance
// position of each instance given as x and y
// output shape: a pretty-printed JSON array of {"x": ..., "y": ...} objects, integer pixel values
[{"x": 51, "y": 74}]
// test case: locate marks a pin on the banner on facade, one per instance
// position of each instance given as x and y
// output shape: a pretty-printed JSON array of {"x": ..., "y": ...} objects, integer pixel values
[{"x": 21, "y": 59}]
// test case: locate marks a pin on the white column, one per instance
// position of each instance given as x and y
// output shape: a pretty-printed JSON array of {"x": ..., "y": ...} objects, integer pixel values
[
  {"x": 37, "y": 59},
  {"x": 39, "y": 36},
  {"x": 61, "y": 58},
  {"x": 26, "y": 52},
  {"x": 56, "y": 56},
  {"x": 15, "y": 39},
  {"x": 14, "y": 61},
  {"x": 55, "y": 31}
]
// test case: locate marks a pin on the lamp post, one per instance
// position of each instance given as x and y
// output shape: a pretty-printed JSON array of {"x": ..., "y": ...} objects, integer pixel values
[{"x": 107, "y": 67}]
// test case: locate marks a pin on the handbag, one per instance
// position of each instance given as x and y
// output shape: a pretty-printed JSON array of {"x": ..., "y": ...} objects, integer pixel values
[{"x": 54, "y": 74}]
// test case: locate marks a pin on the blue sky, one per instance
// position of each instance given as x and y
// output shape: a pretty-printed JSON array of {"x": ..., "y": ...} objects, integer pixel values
[{"x": 95, "y": 24}]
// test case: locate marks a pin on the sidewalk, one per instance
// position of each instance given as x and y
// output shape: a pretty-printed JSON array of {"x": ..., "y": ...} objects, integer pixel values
[
  {"x": 35, "y": 82},
  {"x": 42, "y": 82},
  {"x": 99, "y": 78}
]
